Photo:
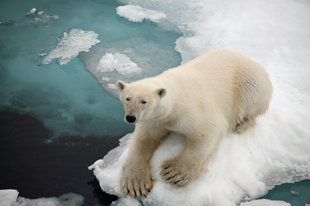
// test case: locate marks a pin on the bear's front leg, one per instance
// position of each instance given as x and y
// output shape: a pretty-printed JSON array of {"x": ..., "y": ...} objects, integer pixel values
[
  {"x": 136, "y": 179},
  {"x": 188, "y": 166}
]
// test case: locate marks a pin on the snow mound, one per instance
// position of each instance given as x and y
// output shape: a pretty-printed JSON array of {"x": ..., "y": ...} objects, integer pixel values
[
  {"x": 137, "y": 13},
  {"x": 71, "y": 44},
  {"x": 244, "y": 168}
]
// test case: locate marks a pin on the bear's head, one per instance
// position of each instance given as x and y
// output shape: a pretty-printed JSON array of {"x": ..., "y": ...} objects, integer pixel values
[{"x": 141, "y": 100}]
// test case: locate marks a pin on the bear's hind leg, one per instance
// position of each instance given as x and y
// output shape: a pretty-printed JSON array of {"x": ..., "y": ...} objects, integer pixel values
[{"x": 245, "y": 124}]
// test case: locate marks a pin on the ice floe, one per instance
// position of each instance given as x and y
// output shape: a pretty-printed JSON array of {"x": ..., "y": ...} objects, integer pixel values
[
  {"x": 71, "y": 44},
  {"x": 264, "y": 202},
  {"x": 10, "y": 198},
  {"x": 136, "y": 13},
  {"x": 119, "y": 62}
]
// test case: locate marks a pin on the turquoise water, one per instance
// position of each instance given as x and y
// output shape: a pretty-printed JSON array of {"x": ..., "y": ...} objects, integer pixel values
[
  {"x": 297, "y": 194},
  {"x": 67, "y": 98}
]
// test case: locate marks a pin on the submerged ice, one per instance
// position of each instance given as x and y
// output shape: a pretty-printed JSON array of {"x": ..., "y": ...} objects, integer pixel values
[
  {"x": 119, "y": 62},
  {"x": 275, "y": 34}
]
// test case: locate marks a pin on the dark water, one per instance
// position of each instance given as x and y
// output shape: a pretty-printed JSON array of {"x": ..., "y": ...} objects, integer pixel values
[{"x": 38, "y": 169}]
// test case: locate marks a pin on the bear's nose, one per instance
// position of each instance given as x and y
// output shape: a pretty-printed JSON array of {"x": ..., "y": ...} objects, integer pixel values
[{"x": 130, "y": 118}]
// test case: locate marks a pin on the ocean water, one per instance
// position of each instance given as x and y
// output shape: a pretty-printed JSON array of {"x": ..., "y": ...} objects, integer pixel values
[
  {"x": 59, "y": 61},
  {"x": 64, "y": 95}
]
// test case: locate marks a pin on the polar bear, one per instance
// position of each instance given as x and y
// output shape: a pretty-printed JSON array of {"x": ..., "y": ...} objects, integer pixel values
[{"x": 219, "y": 92}]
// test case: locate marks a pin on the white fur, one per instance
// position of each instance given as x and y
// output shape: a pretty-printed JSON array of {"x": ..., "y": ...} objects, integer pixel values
[{"x": 204, "y": 99}]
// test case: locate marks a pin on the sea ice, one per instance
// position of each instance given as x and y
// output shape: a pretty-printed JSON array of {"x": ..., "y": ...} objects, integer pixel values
[
  {"x": 71, "y": 44},
  {"x": 119, "y": 62},
  {"x": 264, "y": 202},
  {"x": 7, "y": 197},
  {"x": 10, "y": 198},
  {"x": 137, "y": 13}
]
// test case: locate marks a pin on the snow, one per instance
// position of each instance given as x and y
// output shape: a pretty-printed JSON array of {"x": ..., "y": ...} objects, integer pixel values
[
  {"x": 9, "y": 198},
  {"x": 264, "y": 202},
  {"x": 71, "y": 44},
  {"x": 119, "y": 62},
  {"x": 137, "y": 13}
]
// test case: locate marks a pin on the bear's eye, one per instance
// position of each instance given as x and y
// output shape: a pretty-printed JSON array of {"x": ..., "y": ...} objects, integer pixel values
[
  {"x": 143, "y": 102},
  {"x": 128, "y": 99}
]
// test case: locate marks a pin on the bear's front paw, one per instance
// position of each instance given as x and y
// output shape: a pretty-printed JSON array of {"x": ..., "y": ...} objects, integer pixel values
[
  {"x": 136, "y": 181},
  {"x": 176, "y": 172}
]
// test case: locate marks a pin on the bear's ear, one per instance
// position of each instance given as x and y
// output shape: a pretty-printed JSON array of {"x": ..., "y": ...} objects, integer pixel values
[
  {"x": 161, "y": 92},
  {"x": 120, "y": 85}
]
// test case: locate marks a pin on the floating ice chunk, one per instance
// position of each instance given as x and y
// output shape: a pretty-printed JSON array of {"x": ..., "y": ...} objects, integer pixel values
[
  {"x": 137, "y": 13},
  {"x": 264, "y": 202},
  {"x": 119, "y": 62},
  {"x": 294, "y": 192},
  {"x": 245, "y": 166},
  {"x": 71, "y": 44},
  {"x": 32, "y": 17},
  {"x": 40, "y": 16},
  {"x": 32, "y": 11},
  {"x": 9, "y": 198}
]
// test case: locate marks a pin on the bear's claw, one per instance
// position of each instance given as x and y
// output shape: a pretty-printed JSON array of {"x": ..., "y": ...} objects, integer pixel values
[
  {"x": 136, "y": 185},
  {"x": 174, "y": 174}
]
